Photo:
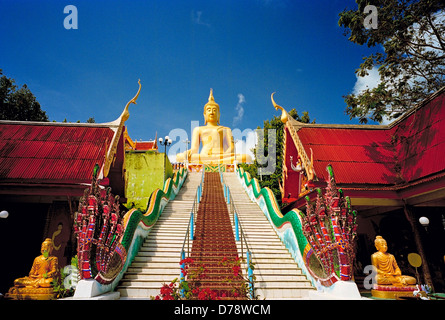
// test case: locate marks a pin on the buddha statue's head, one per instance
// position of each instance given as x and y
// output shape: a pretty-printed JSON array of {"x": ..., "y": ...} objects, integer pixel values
[
  {"x": 380, "y": 244},
  {"x": 47, "y": 247},
  {"x": 211, "y": 110}
]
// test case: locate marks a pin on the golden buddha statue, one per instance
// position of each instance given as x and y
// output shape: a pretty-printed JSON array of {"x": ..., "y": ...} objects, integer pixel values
[
  {"x": 217, "y": 141},
  {"x": 38, "y": 285},
  {"x": 388, "y": 272}
]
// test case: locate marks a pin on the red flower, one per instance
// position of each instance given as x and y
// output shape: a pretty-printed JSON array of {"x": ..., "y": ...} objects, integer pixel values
[
  {"x": 168, "y": 297},
  {"x": 166, "y": 290},
  {"x": 236, "y": 270},
  {"x": 186, "y": 261},
  {"x": 208, "y": 294}
]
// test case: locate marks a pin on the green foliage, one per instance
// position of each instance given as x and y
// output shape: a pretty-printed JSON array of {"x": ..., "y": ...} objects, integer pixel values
[
  {"x": 409, "y": 44},
  {"x": 18, "y": 104},
  {"x": 61, "y": 289},
  {"x": 273, "y": 181}
]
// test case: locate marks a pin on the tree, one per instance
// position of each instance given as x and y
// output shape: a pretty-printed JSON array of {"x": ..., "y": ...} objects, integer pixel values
[
  {"x": 411, "y": 65},
  {"x": 18, "y": 104},
  {"x": 273, "y": 180}
]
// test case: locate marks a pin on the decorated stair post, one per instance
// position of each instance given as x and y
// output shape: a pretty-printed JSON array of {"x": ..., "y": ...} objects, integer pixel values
[
  {"x": 330, "y": 227},
  {"x": 98, "y": 228}
]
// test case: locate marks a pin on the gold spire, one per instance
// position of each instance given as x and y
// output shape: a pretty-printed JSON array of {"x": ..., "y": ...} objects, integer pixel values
[{"x": 211, "y": 100}]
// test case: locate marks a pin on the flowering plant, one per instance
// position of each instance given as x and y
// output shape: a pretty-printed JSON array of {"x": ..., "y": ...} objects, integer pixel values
[{"x": 190, "y": 285}]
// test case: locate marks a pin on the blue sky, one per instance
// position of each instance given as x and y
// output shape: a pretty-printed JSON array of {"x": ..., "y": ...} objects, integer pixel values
[{"x": 244, "y": 50}]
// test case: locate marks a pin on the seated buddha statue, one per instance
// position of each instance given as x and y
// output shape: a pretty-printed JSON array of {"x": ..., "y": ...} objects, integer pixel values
[
  {"x": 388, "y": 272},
  {"x": 43, "y": 270},
  {"x": 217, "y": 141}
]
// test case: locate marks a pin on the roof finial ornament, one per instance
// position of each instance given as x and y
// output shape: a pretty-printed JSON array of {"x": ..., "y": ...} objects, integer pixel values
[
  {"x": 120, "y": 122},
  {"x": 284, "y": 116},
  {"x": 125, "y": 114}
]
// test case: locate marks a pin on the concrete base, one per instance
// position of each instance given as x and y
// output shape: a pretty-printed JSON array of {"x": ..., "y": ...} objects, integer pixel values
[
  {"x": 105, "y": 296},
  {"x": 89, "y": 288},
  {"x": 340, "y": 290}
]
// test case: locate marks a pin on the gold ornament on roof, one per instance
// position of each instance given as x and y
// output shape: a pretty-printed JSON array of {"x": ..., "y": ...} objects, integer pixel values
[{"x": 120, "y": 122}]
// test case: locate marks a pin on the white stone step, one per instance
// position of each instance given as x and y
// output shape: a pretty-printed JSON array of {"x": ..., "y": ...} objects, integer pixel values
[
  {"x": 138, "y": 292},
  {"x": 283, "y": 293},
  {"x": 158, "y": 253},
  {"x": 157, "y": 262},
  {"x": 154, "y": 283},
  {"x": 277, "y": 274}
]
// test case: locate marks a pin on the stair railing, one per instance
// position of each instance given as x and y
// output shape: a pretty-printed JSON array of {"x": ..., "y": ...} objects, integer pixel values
[
  {"x": 239, "y": 234},
  {"x": 185, "y": 251}
]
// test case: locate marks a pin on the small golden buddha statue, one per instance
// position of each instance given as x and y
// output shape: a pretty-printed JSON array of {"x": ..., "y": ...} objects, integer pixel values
[
  {"x": 43, "y": 271},
  {"x": 217, "y": 140},
  {"x": 388, "y": 272}
]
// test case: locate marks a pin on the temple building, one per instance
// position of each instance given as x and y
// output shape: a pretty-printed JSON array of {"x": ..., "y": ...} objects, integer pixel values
[
  {"x": 394, "y": 175},
  {"x": 130, "y": 145},
  {"x": 44, "y": 169}
]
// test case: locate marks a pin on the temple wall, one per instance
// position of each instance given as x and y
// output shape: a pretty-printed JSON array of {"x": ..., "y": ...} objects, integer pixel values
[{"x": 144, "y": 174}]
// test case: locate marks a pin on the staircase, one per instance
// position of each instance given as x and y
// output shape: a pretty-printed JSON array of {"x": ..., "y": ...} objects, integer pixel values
[
  {"x": 158, "y": 259},
  {"x": 214, "y": 243},
  {"x": 277, "y": 274}
]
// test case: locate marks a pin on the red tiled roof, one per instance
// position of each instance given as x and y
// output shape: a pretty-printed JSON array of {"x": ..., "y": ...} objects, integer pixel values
[
  {"x": 145, "y": 145},
  {"x": 421, "y": 141},
  {"x": 357, "y": 156},
  {"x": 52, "y": 153},
  {"x": 407, "y": 150}
]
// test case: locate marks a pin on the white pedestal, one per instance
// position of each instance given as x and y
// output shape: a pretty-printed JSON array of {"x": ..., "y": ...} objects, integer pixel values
[
  {"x": 340, "y": 290},
  {"x": 86, "y": 289}
]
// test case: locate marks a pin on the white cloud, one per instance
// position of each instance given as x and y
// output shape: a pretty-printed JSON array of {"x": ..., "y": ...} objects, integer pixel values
[
  {"x": 367, "y": 82},
  {"x": 427, "y": 35},
  {"x": 239, "y": 109},
  {"x": 431, "y": 43},
  {"x": 197, "y": 18}
]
